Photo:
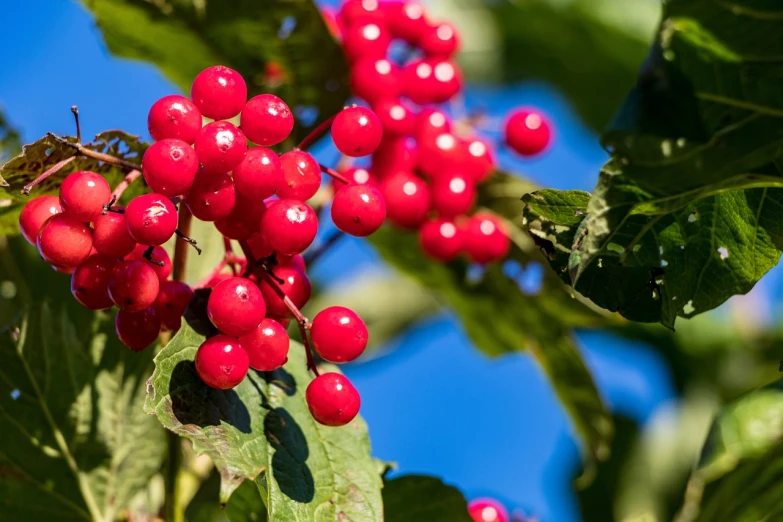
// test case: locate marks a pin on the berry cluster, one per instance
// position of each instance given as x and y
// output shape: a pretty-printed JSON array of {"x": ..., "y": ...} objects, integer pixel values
[{"x": 427, "y": 167}]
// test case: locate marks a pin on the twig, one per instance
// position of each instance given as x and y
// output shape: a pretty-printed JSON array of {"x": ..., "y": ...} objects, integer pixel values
[
  {"x": 51, "y": 170},
  {"x": 315, "y": 133},
  {"x": 181, "y": 247},
  {"x": 122, "y": 185},
  {"x": 100, "y": 156},
  {"x": 323, "y": 247},
  {"x": 75, "y": 111},
  {"x": 148, "y": 256},
  {"x": 333, "y": 173}
]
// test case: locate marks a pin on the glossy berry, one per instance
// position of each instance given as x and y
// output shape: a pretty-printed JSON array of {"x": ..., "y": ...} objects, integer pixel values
[
  {"x": 35, "y": 213},
  {"x": 220, "y": 146},
  {"x": 83, "y": 194},
  {"x": 360, "y": 11},
  {"x": 301, "y": 176},
  {"x": 295, "y": 261},
  {"x": 221, "y": 362},
  {"x": 110, "y": 235},
  {"x": 338, "y": 334},
  {"x": 375, "y": 79},
  {"x": 392, "y": 155},
  {"x": 63, "y": 241},
  {"x": 366, "y": 40},
  {"x": 173, "y": 298},
  {"x": 90, "y": 282},
  {"x": 358, "y": 210},
  {"x": 430, "y": 124},
  {"x": 219, "y": 92},
  {"x": 447, "y": 81},
  {"x": 441, "y": 239},
  {"x": 159, "y": 260},
  {"x": 266, "y": 120},
  {"x": 431, "y": 81},
  {"x": 487, "y": 510},
  {"x": 295, "y": 285},
  {"x": 169, "y": 167},
  {"x": 396, "y": 118},
  {"x": 137, "y": 330},
  {"x": 289, "y": 226},
  {"x": 446, "y": 154},
  {"x": 174, "y": 117},
  {"x": 452, "y": 195},
  {"x": 151, "y": 219},
  {"x": 133, "y": 285},
  {"x": 357, "y": 131},
  {"x": 355, "y": 176},
  {"x": 439, "y": 40},
  {"x": 407, "y": 21},
  {"x": 478, "y": 163},
  {"x": 244, "y": 220},
  {"x": 212, "y": 196},
  {"x": 259, "y": 175},
  {"x": 236, "y": 306},
  {"x": 528, "y": 132},
  {"x": 407, "y": 199},
  {"x": 486, "y": 239},
  {"x": 332, "y": 399},
  {"x": 267, "y": 346}
]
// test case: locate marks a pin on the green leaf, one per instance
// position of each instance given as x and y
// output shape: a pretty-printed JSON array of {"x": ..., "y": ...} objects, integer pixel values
[
  {"x": 182, "y": 38},
  {"x": 420, "y": 497},
  {"x": 262, "y": 430}
]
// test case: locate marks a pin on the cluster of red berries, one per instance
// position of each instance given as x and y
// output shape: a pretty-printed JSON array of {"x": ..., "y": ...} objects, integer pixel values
[{"x": 425, "y": 169}]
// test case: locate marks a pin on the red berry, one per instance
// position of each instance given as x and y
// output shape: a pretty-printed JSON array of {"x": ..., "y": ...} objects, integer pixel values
[
  {"x": 267, "y": 346},
  {"x": 266, "y": 120},
  {"x": 332, "y": 399},
  {"x": 441, "y": 239},
  {"x": 289, "y": 226},
  {"x": 392, "y": 155},
  {"x": 221, "y": 362},
  {"x": 338, "y": 334},
  {"x": 219, "y": 92},
  {"x": 137, "y": 330},
  {"x": 161, "y": 262},
  {"x": 407, "y": 199},
  {"x": 396, "y": 118},
  {"x": 64, "y": 242},
  {"x": 173, "y": 298},
  {"x": 90, "y": 282},
  {"x": 486, "y": 238},
  {"x": 259, "y": 175},
  {"x": 212, "y": 196},
  {"x": 355, "y": 176},
  {"x": 452, "y": 195},
  {"x": 244, "y": 220},
  {"x": 447, "y": 81},
  {"x": 366, "y": 40},
  {"x": 360, "y": 11},
  {"x": 407, "y": 21},
  {"x": 357, "y": 131},
  {"x": 376, "y": 79},
  {"x": 110, "y": 235},
  {"x": 68, "y": 270},
  {"x": 478, "y": 164},
  {"x": 358, "y": 210},
  {"x": 431, "y": 81},
  {"x": 444, "y": 155},
  {"x": 151, "y": 219},
  {"x": 430, "y": 124},
  {"x": 301, "y": 176},
  {"x": 35, "y": 213},
  {"x": 169, "y": 167},
  {"x": 220, "y": 146},
  {"x": 236, "y": 306},
  {"x": 440, "y": 39},
  {"x": 83, "y": 194},
  {"x": 174, "y": 117},
  {"x": 259, "y": 246},
  {"x": 295, "y": 285},
  {"x": 133, "y": 285},
  {"x": 294, "y": 261},
  {"x": 528, "y": 132},
  {"x": 487, "y": 510}
]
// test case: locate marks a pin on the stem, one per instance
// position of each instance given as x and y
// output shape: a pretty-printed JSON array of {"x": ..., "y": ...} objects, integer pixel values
[
  {"x": 75, "y": 111},
  {"x": 316, "y": 133},
  {"x": 54, "y": 168},
  {"x": 181, "y": 246},
  {"x": 310, "y": 360},
  {"x": 100, "y": 156},
  {"x": 323, "y": 247},
  {"x": 215, "y": 271},
  {"x": 122, "y": 185},
  {"x": 336, "y": 175}
]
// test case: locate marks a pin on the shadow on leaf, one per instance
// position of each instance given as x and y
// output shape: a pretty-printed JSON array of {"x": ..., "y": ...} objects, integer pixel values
[{"x": 289, "y": 464}]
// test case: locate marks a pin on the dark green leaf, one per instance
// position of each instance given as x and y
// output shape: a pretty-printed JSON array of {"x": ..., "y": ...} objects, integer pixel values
[
  {"x": 246, "y": 504},
  {"x": 419, "y": 497}
]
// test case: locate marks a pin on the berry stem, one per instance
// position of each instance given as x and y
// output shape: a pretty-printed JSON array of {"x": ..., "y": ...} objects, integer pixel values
[
  {"x": 213, "y": 273},
  {"x": 315, "y": 133},
  {"x": 179, "y": 263},
  {"x": 122, "y": 185},
  {"x": 308, "y": 351},
  {"x": 51, "y": 170},
  {"x": 311, "y": 257},
  {"x": 333, "y": 173},
  {"x": 75, "y": 111},
  {"x": 100, "y": 156}
]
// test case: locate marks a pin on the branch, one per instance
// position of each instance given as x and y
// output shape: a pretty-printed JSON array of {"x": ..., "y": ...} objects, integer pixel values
[
  {"x": 181, "y": 246},
  {"x": 100, "y": 156},
  {"x": 315, "y": 133},
  {"x": 333, "y": 173},
  {"x": 51, "y": 170},
  {"x": 122, "y": 185}
]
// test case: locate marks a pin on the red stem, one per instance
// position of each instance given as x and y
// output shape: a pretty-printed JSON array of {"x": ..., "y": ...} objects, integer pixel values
[
  {"x": 315, "y": 133},
  {"x": 336, "y": 175},
  {"x": 51, "y": 170},
  {"x": 122, "y": 185}
]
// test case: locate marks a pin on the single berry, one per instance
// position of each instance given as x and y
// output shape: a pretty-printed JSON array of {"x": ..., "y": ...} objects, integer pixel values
[
  {"x": 292, "y": 282},
  {"x": 301, "y": 176},
  {"x": 159, "y": 260},
  {"x": 366, "y": 40},
  {"x": 396, "y": 118},
  {"x": 110, "y": 235},
  {"x": 35, "y": 213},
  {"x": 174, "y": 117},
  {"x": 357, "y": 131},
  {"x": 267, "y": 346},
  {"x": 447, "y": 80},
  {"x": 220, "y": 146},
  {"x": 430, "y": 124},
  {"x": 393, "y": 155},
  {"x": 338, "y": 334},
  {"x": 64, "y": 242},
  {"x": 355, "y": 176},
  {"x": 376, "y": 79},
  {"x": 407, "y": 21},
  {"x": 169, "y": 167},
  {"x": 90, "y": 282},
  {"x": 83, "y": 195},
  {"x": 133, "y": 285},
  {"x": 173, "y": 298},
  {"x": 487, "y": 510},
  {"x": 289, "y": 226},
  {"x": 244, "y": 220},
  {"x": 259, "y": 175},
  {"x": 441, "y": 239},
  {"x": 528, "y": 132},
  {"x": 452, "y": 195},
  {"x": 407, "y": 199},
  {"x": 446, "y": 154},
  {"x": 137, "y": 330},
  {"x": 358, "y": 210},
  {"x": 212, "y": 196},
  {"x": 478, "y": 162},
  {"x": 360, "y": 11},
  {"x": 221, "y": 362},
  {"x": 332, "y": 399},
  {"x": 486, "y": 238},
  {"x": 219, "y": 92},
  {"x": 236, "y": 306},
  {"x": 266, "y": 120},
  {"x": 439, "y": 40},
  {"x": 151, "y": 219},
  {"x": 431, "y": 81}
]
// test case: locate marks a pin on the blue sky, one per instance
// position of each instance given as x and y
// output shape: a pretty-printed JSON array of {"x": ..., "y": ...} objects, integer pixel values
[{"x": 436, "y": 405}]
